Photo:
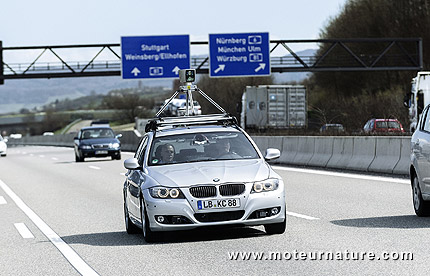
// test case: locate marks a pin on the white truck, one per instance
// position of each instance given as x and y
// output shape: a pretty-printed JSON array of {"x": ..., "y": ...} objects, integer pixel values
[{"x": 418, "y": 98}]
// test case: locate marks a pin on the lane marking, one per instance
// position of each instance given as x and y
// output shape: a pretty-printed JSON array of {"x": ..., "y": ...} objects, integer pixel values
[
  {"x": 54, "y": 158},
  {"x": 301, "y": 216},
  {"x": 347, "y": 175},
  {"x": 41, "y": 156},
  {"x": 127, "y": 153},
  {"x": 72, "y": 257},
  {"x": 94, "y": 167},
  {"x": 2, "y": 200},
  {"x": 23, "y": 231}
]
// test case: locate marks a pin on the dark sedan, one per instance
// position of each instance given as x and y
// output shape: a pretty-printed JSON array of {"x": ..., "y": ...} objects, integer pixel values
[{"x": 97, "y": 141}]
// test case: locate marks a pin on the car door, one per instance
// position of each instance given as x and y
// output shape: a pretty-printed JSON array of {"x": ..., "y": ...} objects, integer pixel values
[
  {"x": 134, "y": 180},
  {"x": 423, "y": 145}
]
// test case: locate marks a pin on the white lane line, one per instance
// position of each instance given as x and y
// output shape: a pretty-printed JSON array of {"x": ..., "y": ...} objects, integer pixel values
[
  {"x": 74, "y": 259},
  {"x": 127, "y": 153},
  {"x": 23, "y": 231},
  {"x": 301, "y": 216},
  {"x": 94, "y": 167},
  {"x": 2, "y": 200},
  {"x": 31, "y": 154},
  {"x": 348, "y": 175},
  {"x": 41, "y": 156},
  {"x": 54, "y": 158}
]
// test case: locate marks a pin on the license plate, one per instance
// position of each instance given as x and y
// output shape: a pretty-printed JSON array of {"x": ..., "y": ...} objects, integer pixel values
[
  {"x": 218, "y": 203},
  {"x": 101, "y": 152}
]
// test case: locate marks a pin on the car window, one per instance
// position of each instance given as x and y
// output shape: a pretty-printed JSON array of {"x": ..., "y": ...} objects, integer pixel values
[
  {"x": 196, "y": 147},
  {"x": 140, "y": 153},
  {"x": 95, "y": 133},
  {"x": 381, "y": 124},
  {"x": 393, "y": 124},
  {"x": 426, "y": 122}
]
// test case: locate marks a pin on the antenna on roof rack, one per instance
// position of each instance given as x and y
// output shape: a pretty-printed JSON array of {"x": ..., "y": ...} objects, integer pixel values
[{"x": 187, "y": 77}]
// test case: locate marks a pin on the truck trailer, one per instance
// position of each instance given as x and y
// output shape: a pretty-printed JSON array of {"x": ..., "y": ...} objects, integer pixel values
[{"x": 274, "y": 106}]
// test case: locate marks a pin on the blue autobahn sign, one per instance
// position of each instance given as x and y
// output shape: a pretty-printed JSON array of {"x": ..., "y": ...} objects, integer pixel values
[
  {"x": 154, "y": 56},
  {"x": 241, "y": 54}
]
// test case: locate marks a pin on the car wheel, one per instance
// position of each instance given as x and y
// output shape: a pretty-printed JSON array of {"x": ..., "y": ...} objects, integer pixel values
[
  {"x": 129, "y": 226},
  {"x": 79, "y": 159},
  {"x": 276, "y": 228},
  {"x": 148, "y": 234},
  {"x": 421, "y": 207}
]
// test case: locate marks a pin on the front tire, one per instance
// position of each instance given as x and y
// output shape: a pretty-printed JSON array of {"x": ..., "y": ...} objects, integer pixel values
[
  {"x": 79, "y": 159},
  {"x": 276, "y": 228},
  {"x": 421, "y": 207},
  {"x": 148, "y": 234}
]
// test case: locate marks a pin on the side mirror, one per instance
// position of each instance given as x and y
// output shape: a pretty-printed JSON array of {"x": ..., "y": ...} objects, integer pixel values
[
  {"x": 272, "y": 154},
  {"x": 118, "y": 136},
  {"x": 132, "y": 164}
]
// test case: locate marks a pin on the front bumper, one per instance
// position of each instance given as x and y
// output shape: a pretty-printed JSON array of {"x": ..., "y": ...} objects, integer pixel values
[
  {"x": 194, "y": 218},
  {"x": 100, "y": 152}
]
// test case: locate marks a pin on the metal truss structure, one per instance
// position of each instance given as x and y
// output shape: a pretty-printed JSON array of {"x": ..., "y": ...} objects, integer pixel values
[{"x": 333, "y": 55}]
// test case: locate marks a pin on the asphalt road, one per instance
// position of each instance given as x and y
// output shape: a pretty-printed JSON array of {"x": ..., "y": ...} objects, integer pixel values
[{"x": 73, "y": 213}]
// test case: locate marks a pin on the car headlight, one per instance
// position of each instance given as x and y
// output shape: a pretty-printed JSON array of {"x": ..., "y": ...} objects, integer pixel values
[
  {"x": 86, "y": 147},
  {"x": 164, "y": 192},
  {"x": 267, "y": 185},
  {"x": 114, "y": 145}
]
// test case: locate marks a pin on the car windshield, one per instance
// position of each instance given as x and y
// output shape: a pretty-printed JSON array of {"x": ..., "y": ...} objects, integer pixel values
[
  {"x": 95, "y": 133},
  {"x": 196, "y": 147}
]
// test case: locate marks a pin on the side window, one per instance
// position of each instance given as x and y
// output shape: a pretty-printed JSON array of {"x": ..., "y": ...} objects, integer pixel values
[
  {"x": 140, "y": 153},
  {"x": 426, "y": 121}
]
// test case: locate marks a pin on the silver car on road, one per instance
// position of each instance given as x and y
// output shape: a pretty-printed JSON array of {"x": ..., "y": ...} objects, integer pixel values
[
  {"x": 420, "y": 165},
  {"x": 184, "y": 177}
]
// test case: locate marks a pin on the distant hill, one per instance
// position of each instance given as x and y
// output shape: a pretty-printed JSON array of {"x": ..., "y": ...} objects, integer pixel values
[
  {"x": 18, "y": 94},
  {"x": 31, "y": 93}
]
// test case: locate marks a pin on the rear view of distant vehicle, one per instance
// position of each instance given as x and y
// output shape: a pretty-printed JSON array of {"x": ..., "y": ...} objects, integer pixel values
[
  {"x": 3, "y": 146},
  {"x": 97, "y": 141},
  {"x": 383, "y": 126}
]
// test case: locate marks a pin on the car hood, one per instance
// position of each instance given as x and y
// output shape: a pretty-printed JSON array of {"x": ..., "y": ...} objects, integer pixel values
[{"x": 189, "y": 174}]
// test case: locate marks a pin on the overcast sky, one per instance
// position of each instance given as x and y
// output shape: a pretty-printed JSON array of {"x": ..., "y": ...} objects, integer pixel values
[{"x": 49, "y": 22}]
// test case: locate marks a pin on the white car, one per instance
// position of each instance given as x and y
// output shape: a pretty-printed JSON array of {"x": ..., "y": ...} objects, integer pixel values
[
  {"x": 3, "y": 146},
  {"x": 201, "y": 171}
]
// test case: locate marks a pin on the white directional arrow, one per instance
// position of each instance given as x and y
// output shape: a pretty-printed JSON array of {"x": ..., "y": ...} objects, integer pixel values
[
  {"x": 261, "y": 67},
  {"x": 176, "y": 70},
  {"x": 135, "y": 71},
  {"x": 220, "y": 68}
]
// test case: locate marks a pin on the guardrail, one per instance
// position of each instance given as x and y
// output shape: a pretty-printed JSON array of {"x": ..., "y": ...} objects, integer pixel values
[{"x": 379, "y": 154}]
